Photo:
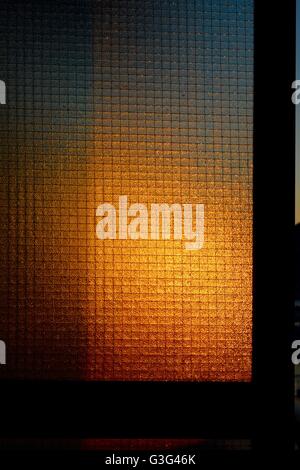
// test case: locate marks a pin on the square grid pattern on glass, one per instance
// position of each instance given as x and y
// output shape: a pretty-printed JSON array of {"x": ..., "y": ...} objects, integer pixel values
[{"x": 152, "y": 100}]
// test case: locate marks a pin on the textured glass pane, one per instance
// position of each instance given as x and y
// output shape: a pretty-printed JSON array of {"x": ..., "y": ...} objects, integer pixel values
[{"x": 149, "y": 99}]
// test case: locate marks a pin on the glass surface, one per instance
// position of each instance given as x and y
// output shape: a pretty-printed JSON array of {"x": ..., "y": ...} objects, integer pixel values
[{"x": 152, "y": 100}]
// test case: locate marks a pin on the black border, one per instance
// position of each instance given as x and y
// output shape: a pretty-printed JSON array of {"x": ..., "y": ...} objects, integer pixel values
[
  {"x": 274, "y": 209},
  {"x": 261, "y": 410}
]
